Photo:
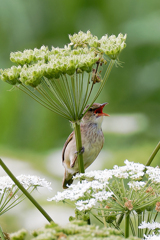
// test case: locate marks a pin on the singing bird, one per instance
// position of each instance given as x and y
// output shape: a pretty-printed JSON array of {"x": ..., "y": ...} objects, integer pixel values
[{"x": 92, "y": 142}]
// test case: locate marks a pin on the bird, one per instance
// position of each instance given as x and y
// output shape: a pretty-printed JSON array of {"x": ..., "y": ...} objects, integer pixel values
[{"x": 92, "y": 142}]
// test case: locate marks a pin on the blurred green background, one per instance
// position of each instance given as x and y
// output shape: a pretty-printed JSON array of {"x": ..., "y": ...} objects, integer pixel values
[{"x": 29, "y": 132}]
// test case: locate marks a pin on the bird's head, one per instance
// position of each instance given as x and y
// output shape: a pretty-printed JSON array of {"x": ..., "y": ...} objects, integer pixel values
[{"x": 95, "y": 113}]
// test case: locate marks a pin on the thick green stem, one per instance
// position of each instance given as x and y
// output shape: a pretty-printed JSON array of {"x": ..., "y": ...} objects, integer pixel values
[
  {"x": 153, "y": 155},
  {"x": 126, "y": 230},
  {"x": 77, "y": 131},
  {"x": 26, "y": 193}
]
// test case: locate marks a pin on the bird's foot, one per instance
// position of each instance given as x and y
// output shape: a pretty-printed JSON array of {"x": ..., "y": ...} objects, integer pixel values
[
  {"x": 76, "y": 155},
  {"x": 81, "y": 151}
]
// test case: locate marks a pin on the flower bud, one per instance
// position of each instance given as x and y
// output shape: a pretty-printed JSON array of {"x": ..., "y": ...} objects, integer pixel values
[
  {"x": 129, "y": 205},
  {"x": 157, "y": 206}
]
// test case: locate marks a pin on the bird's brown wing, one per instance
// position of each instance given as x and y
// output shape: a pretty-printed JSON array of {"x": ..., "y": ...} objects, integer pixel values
[{"x": 66, "y": 143}]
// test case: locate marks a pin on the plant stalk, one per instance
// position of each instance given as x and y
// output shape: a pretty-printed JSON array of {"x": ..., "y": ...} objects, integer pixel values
[
  {"x": 126, "y": 230},
  {"x": 103, "y": 217},
  {"x": 140, "y": 231},
  {"x": 155, "y": 151},
  {"x": 77, "y": 131},
  {"x": 1, "y": 234},
  {"x": 25, "y": 192}
]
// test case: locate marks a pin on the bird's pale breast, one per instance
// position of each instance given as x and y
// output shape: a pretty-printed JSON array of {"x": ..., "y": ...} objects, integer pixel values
[{"x": 92, "y": 141}]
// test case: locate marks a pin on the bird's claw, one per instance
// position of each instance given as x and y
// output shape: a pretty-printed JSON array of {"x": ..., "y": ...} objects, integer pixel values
[{"x": 81, "y": 151}]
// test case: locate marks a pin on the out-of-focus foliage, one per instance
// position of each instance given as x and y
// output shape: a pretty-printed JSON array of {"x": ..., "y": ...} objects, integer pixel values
[
  {"x": 135, "y": 88},
  {"x": 75, "y": 230}
]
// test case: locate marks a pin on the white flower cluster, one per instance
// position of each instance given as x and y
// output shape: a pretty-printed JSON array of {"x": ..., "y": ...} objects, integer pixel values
[
  {"x": 152, "y": 237},
  {"x": 153, "y": 174},
  {"x": 48, "y": 64},
  {"x": 100, "y": 175},
  {"x": 100, "y": 186},
  {"x": 76, "y": 191},
  {"x": 96, "y": 189},
  {"x": 150, "y": 226},
  {"x": 29, "y": 55},
  {"x": 11, "y": 75},
  {"x": 136, "y": 185},
  {"x": 130, "y": 170},
  {"x": 6, "y": 182},
  {"x": 91, "y": 190},
  {"x": 83, "y": 39},
  {"x": 112, "y": 45},
  {"x": 102, "y": 195},
  {"x": 83, "y": 205}
]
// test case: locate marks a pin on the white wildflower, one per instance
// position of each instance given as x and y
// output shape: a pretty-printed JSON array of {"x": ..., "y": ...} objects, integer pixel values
[
  {"x": 27, "y": 181},
  {"x": 136, "y": 185},
  {"x": 102, "y": 195},
  {"x": 120, "y": 172},
  {"x": 134, "y": 170},
  {"x": 154, "y": 174},
  {"x": 150, "y": 226},
  {"x": 102, "y": 176},
  {"x": 5, "y": 183},
  {"x": 30, "y": 181},
  {"x": 83, "y": 205},
  {"x": 152, "y": 237},
  {"x": 76, "y": 191}
]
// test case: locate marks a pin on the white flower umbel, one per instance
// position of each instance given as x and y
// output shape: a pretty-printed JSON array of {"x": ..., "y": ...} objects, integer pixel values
[
  {"x": 83, "y": 205},
  {"x": 152, "y": 237},
  {"x": 63, "y": 79},
  {"x": 10, "y": 195},
  {"x": 136, "y": 185},
  {"x": 114, "y": 192},
  {"x": 101, "y": 176},
  {"x": 78, "y": 191},
  {"x": 153, "y": 174},
  {"x": 60, "y": 73},
  {"x": 150, "y": 226},
  {"x": 102, "y": 195},
  {"x": 130, "y": 170}
]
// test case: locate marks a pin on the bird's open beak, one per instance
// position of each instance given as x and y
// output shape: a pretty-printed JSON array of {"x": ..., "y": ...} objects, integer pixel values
[{"x": 100, "y": 110}]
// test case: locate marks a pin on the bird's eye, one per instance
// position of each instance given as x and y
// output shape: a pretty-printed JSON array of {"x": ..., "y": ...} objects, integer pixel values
[{"x": 90, "y": 109}]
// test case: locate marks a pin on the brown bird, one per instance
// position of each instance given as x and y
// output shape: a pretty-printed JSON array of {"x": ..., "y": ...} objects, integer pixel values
[{"x": 92, "y": 142}]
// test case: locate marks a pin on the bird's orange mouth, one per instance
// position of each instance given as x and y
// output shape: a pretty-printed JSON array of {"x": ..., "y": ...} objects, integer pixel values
[{"x": 99, "y": 110}]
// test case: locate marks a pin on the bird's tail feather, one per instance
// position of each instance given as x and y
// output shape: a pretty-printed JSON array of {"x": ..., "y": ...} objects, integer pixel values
[{"x": 67, "y": 179}]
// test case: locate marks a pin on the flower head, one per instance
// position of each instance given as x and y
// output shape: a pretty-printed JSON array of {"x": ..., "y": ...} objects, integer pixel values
[
  {"x": 150, "y": 226},
  {"x": 9, "y": 192},
  {"x": 153, "y": 174},
  {"x": 58, "y": 73},
  {"x": 136, "y": 185}
]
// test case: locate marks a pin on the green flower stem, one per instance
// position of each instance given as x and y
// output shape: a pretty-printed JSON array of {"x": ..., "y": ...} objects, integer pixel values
[
  {"x": 104, "y": 221},
  {"x": 105, "y": 78},
  {"x": 26, "y": 193},
  {"x": 126, "y": 230},
  {"x": 132, "y": 227},
  {"x": 157, "y": 148},
  {"x": 77, "y": 131},
  {"x": 140, "y": 231},
  {"x": 120, "y": 219},
  {"x": 153, "y": 221},
  {"x": 1, "y": 234}
]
